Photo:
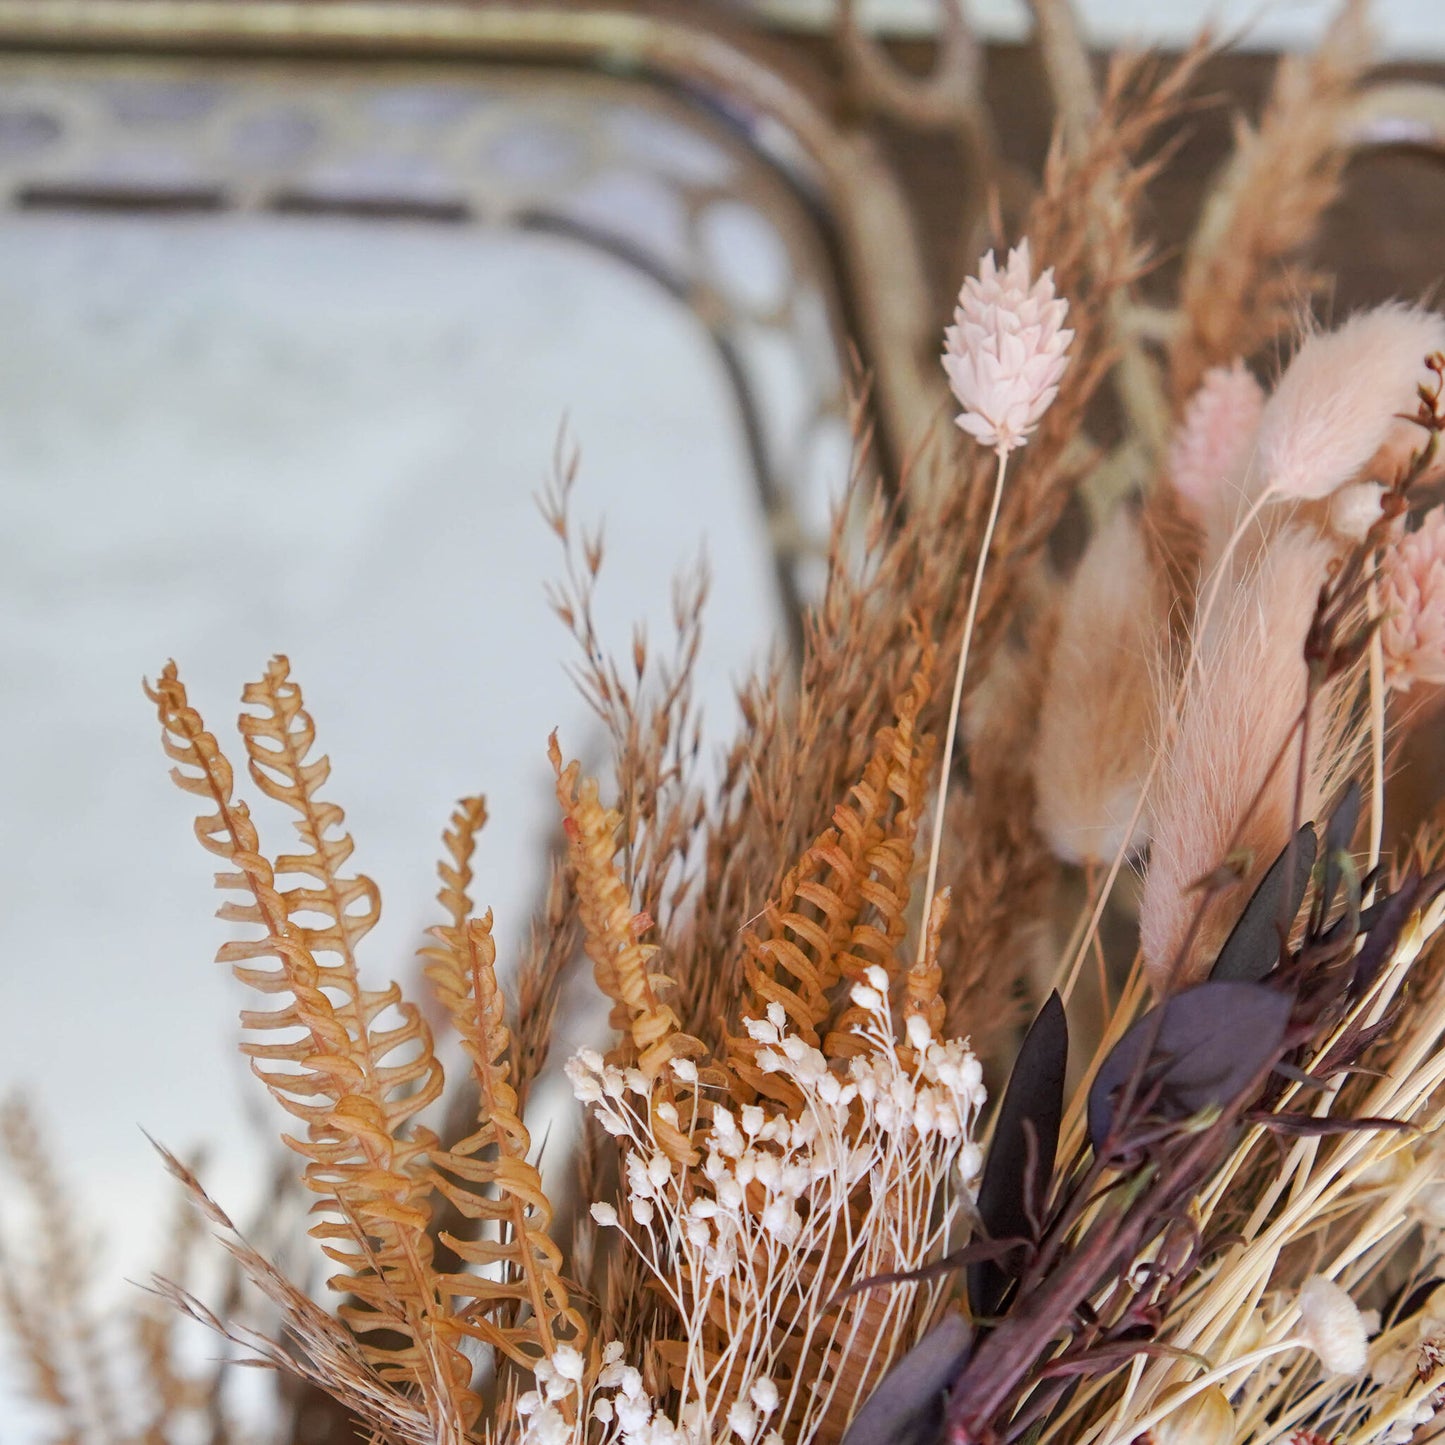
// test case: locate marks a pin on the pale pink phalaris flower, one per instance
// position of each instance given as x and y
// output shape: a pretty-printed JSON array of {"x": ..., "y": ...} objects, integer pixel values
[
  {"x": 1335, "y": 415},
  {"x": 1412, "y": 603},
  {"x": 1212, "y": 447},
  {"x": 1006, "y": 350}
]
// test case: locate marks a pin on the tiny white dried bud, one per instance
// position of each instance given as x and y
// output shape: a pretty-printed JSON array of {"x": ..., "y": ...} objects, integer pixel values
[
  {"x": 568, "y": 1363},
  {"x": 764, "y": 1394},
  {"x": 605, "y": 1215},
  {"x": 866, "y": 998},
  {"x": 919, "y": 1034},
  {"x": 685, "y": 1070},
  {"x": 742, "y": 1419},
  {"x": 1005, "y": 352},
  {"x": 1331, "y": 1326},
  {"x": 1355, "y": 508}
]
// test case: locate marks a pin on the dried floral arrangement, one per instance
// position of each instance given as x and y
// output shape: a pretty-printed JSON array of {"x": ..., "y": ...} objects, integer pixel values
[{"x": 1200, "y": 1198}]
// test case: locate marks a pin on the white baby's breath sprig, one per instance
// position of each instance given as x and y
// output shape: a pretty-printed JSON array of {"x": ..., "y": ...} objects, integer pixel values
[{"x": 893, "y": 1137}]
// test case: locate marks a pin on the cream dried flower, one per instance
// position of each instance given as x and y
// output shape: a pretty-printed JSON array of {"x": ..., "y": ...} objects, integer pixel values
[
  {"x": 1005, "y": 352},
  {"x": 1412, "y": 601},
  {"x": 1332, "y": 1327}
]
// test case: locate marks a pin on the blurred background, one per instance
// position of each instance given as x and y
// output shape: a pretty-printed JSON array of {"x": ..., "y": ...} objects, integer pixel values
[{"x": 297, "y": 310}]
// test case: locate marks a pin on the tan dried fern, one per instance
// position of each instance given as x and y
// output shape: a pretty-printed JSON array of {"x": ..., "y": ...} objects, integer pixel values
[
  {"x": 650, "y": 1034},
  {"x": 842, "y": 907},
  {"x": 523, "y": 1311},
  {"x": 363, "y": 1161}
]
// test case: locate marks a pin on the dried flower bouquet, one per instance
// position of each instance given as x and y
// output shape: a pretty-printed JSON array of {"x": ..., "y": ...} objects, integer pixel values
[{"x": 1206, "y": 1202}]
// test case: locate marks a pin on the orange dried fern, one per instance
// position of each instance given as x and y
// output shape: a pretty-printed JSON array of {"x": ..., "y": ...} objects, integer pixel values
[
  {"x": 522, "y": 1307},
  {"x": 841, "y": 908},
  {"x": 364, "y": 1152}
]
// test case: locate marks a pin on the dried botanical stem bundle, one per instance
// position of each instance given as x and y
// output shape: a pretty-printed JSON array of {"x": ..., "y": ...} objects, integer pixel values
[{"x": 1205, "y": 1203}]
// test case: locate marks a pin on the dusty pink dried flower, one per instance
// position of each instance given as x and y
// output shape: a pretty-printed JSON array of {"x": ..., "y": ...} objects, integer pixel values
[
  {"x": 1336, "y": 408},
  {"x": 1005, "y": 352},
  {"x": 1412, "y": 601},
  {"x": 1213, "y": 444}
]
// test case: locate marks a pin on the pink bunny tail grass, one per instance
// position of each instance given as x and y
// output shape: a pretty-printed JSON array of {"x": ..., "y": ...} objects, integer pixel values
[
  {"x": 1209, "y": 460},
  {"x": 1100, "y": 701},
  {"x": 1240, "y": 704},
  {"x": 1212, "y": 447},
  {"x": 1412, "y": 604},
  {"x": 1334, "y": 416},
  {"x": 1006, "y": 350}
]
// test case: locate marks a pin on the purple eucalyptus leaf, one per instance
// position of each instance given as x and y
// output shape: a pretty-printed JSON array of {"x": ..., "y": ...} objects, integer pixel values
[
  {"x": 1208, "y": 1043},
  {"x": 1252, "y": 949},
  {"x": 1020, "y": 1160},
  {"x": 907, "y": 1406}
]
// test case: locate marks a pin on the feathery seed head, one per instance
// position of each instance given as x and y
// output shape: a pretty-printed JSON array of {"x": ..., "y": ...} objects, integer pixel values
[
  {"x": 1337, "y": 407},
  {"x": 1006, "y": 350},
  {"x": 1412, "y": 599}
]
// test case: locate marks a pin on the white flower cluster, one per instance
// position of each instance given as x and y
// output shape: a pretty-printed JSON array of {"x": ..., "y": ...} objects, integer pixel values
[
  {"x": 558, "y": 1411},
  {"x": 892, "y": 1139}
]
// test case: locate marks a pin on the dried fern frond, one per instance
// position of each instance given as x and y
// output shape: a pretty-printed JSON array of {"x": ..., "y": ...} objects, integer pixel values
[
  {"x": 1242, "y": 288},
  {"x": 520, "y": 1304},
  {"x": 842, "y": 907},
  {"x": 334, "y": 1073}
]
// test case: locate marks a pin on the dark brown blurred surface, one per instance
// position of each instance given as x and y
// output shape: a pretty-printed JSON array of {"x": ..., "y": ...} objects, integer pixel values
[{"x": 1385, "y": 239}]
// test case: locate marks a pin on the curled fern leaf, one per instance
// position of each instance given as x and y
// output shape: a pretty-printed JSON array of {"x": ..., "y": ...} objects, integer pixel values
[
  {"x": 355, "y": 1082},
  {"x": 519, "y": 1303}
]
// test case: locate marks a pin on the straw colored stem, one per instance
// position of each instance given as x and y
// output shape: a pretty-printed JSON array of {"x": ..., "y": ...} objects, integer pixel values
[{"x": 936, "y": 846}]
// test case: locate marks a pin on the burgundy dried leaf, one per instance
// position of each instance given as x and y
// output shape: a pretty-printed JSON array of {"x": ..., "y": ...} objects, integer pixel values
[
  {"x": 1211, "y": 1041},
  {"x": 907, "y": 1406},
  {"x": 1021, "y": 1157},
  {"x": 1252, "y": 949}
]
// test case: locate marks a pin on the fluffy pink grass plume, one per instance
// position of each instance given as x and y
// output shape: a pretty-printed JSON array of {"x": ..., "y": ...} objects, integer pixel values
[
  {"x": 1212, "y": 447},
  {"x": 1335, "y": 414},
  {"x": 1006, "y": 350},
  {"x": 1239, "y": 706},
  {"x": 1100, "y": 701},
  {"x": 1412, "y": 602}
]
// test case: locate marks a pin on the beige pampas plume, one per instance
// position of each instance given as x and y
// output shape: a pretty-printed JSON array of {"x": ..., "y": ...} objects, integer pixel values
[
  {"x": 1100, "y": 702},
  {"x": 1225, "y": 790},
  {"x": 1335, "y": 414}
]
